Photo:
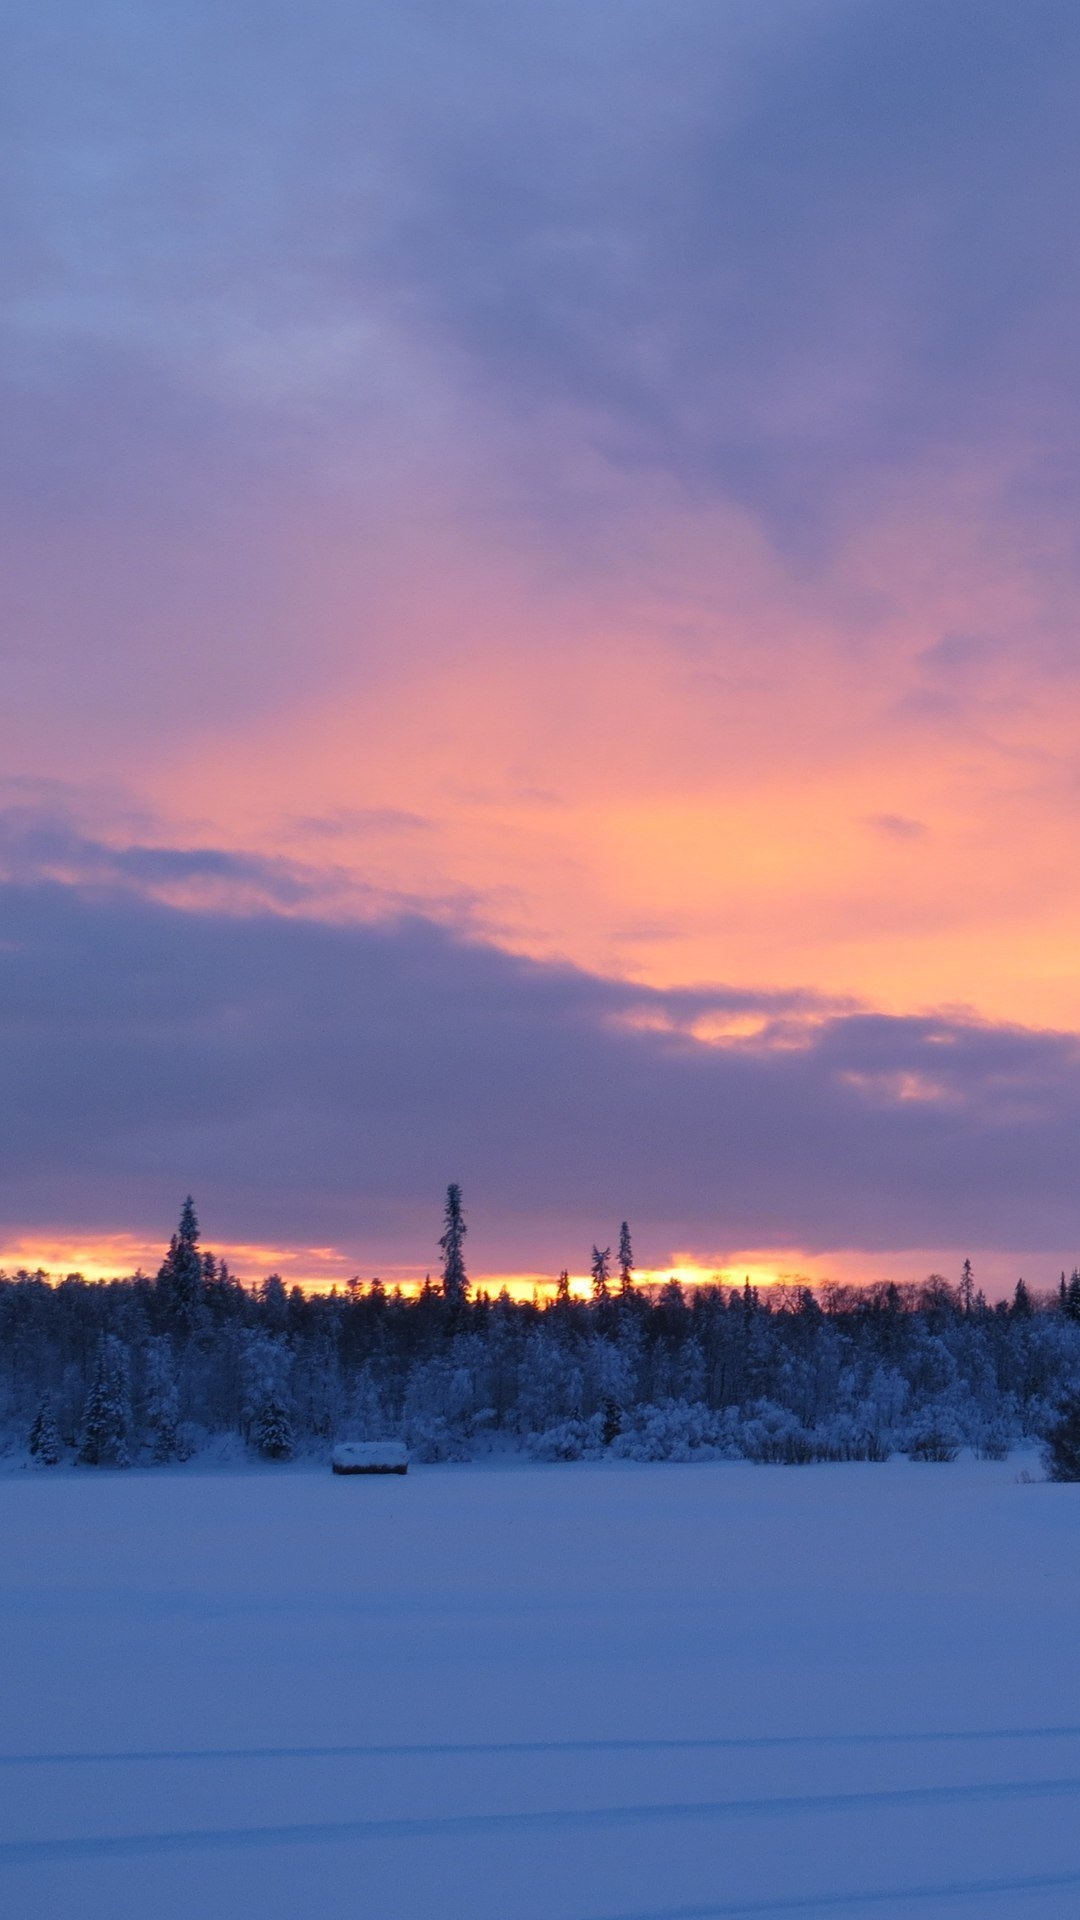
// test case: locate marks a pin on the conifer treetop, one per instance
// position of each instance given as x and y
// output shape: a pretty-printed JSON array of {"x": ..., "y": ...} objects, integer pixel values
[{"x": 452, "y": 1240}]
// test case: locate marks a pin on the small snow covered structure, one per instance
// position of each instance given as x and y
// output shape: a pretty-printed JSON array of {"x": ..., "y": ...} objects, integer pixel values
[{"x": 370, "y": 1456}]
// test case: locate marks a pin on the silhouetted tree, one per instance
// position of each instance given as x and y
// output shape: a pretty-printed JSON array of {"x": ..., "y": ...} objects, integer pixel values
[
  {"x": 454, "y": 1277},
  {"x": 965, "y": 1292},
  {"x": 600, "y": 1268},
  {"x": 180, "y": 1278},
  {"x": 1022, "y": 1307},
  {"x": 626, "y": 1259}
]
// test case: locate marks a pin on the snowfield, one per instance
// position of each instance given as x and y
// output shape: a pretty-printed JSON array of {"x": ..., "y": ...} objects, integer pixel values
[{"x": 511, "y": 1692}]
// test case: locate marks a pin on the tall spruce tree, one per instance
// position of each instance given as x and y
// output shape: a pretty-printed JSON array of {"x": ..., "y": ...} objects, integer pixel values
[
  {"x": 626, "y": 1259},
  {"x": 965, "y": 1292},
  {"x": 180, "y": 1277},
  {"x": 455, "y": 1280},
  {"x": 600, "y": 1269}
]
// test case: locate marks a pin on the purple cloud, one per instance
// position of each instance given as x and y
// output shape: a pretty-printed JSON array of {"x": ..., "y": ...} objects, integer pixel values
[{"x": 320, "y": 1084}]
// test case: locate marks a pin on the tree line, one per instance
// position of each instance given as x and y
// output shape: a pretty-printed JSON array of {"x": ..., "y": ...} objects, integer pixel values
[{"x": 153, "y": 1370}]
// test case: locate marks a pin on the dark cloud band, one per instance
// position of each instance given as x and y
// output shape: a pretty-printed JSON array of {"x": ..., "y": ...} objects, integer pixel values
[{"x": 319, "y": 1083}]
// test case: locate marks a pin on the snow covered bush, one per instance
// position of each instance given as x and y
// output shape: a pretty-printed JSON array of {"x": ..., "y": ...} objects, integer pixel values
[
  {"x": 443, "y": 1412},
  {"x": 569, "y": 1440},
  {"x": 674, "y": 1430},
  {"x": 851, "y": 1435},
  {"x": 770, "y": 1435},
  {"x": 433, "y": 1440},
  {"x": 994, "y": 1440},
  {"x": 934, "y": 1434},
  {"x": 1061, "y": 1451}
]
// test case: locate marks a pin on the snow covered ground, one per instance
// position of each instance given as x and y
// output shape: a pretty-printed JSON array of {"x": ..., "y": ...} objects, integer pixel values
[{"x": 539, "y": 1693}]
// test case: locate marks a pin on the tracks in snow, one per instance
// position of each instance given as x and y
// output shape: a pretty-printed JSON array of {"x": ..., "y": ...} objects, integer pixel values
[{"x": 559, "y": 1819}]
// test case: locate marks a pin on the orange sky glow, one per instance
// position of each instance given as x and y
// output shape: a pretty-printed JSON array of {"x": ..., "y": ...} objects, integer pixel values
[
  {"x": 662, "y": 569},
  {"x": 319, "y": 1269},
  {"x": 792, "y": 790}
]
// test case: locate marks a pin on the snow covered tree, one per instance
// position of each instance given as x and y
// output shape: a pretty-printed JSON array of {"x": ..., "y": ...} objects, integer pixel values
[
  {"x": 549, "y": 1382},
  {"x": 842, "y": 1374},
  {"x": 180, "y": 1277},
  {"x": 612, "y": 1422},
  {"x": 162, "y": 1403},
  {"x": 600, "y": 1268},
  {"x": 1062, "y": 1450},
  {"x": 368, "y": 1419},
  {"x": 626, "y": 1259},
  {"x": 454, "y": 1277},
  {"x": 275, "y": 1301},
  {"x": 273, "y": 1433},
  {"x": 107, "y": 1414},
  {"x": 317, "y": 1389},
  {"x": 44, "y": 1441},
  {"x": 265, "y": 1369}
]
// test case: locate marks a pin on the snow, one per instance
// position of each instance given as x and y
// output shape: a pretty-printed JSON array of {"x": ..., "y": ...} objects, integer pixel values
[
  {"x": 531, "y": 1692},
  {"x": 370, "y": 1456}
]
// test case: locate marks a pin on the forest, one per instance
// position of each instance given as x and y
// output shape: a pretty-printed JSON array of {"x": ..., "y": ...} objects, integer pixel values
[{"x": 147, "y": 1370}]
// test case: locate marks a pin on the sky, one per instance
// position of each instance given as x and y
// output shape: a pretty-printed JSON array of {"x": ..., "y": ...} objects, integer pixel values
[{"x": 539, "y": 602}]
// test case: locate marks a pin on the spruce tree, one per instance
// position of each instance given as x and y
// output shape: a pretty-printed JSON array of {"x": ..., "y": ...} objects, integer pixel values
[
  {"x": 1022, "y": 1306},
  {"x": 273, "y": 1431},
  {"x": 1072, "y": 1296},
  {"x": 966, "y": 1289},
  {"x": 180, "y": 1277},
  {"x": 44, "y": 1439},
  {"x": 107, "y": 1414},
  {"x": 455, "y": 1280},
  {"x": 600, "y": 1268},
  {"x": 162, "y": 1409},
  {"x": 626, "y": 1259}
]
